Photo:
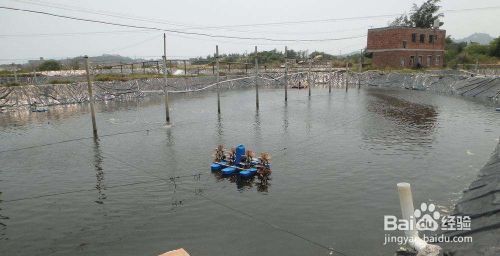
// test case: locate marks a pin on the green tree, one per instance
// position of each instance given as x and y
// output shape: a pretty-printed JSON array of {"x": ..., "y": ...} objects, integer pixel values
[
  {"x": 494, "y": 48},
  {"x": 477, "y": 49},
  {"x": 49, "y": 65},
  {"x": 420, "y": 16}
]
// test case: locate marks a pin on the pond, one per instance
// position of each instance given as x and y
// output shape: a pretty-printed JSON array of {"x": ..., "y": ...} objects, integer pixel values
[{"x": 143, "y": 188}]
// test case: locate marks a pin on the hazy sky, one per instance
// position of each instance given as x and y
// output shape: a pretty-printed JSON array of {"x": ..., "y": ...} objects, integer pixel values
[{"x": 30, "y": 36}]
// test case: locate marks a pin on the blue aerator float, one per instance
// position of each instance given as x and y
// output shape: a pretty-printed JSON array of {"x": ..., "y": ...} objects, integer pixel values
[{"x": 241, "y": 162}]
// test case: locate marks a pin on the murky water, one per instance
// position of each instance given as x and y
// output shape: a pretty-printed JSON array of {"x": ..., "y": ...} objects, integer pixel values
[{"x": 336, "y": 161}]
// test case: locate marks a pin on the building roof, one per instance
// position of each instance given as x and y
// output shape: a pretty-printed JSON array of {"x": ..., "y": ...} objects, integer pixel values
[{"x": 402, "y": 27}]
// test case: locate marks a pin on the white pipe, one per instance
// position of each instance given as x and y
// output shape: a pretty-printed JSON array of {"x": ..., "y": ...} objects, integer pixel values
[{"x": 407, "y": 210}]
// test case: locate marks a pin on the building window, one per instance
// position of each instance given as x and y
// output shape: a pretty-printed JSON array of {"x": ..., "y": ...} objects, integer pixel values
[
  {"x": 414, "y": 37},
  {"x": 429, "y": 60},
  {"x": 438, "y": 60},
  {"x": 412, "y": 61},
  {"x": 404, "y": 44},
  {"x": 402, "y": 61},
  {"x": 422, "y": 38},
  {"x": 431, "y": 39},
  {"x": 419, "y": 62}
]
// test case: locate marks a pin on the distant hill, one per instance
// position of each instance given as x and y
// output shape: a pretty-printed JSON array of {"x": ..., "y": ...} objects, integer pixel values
[{"x": 481, "y": 38}]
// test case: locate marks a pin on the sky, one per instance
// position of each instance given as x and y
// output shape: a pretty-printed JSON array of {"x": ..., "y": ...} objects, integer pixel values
[{"x": 25, "y": 36}]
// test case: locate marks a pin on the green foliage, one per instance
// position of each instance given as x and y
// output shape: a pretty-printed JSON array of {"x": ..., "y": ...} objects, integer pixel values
[
  {"x": 470, "y": 53},
  {"x": 265, "y": 57},
  {"x": 50, "y": 65},
  {"x": 6, "y": 73},
  {"x": 494, "y": 49},
  {"x": 477, "y": 49},
  {"x": 420, "y": 16}
]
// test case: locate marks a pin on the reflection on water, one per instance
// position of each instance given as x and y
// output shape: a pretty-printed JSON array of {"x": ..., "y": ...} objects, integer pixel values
[
  {"x": 220, "y": 130},
  {"x": 3, "y": 226},
  {"x": 244, "y": 183},
  {"x": 258, "y": 130},
  {"x": 416, "y": 115},
  {"x": 21, "y": 117},
  {"x": 285, "y": 119},
  {"x": 403, "y": 122},
  {"x": 99, "y": 173}
]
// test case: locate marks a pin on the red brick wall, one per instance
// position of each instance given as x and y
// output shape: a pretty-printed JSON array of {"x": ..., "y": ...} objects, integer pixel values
[
  {"x": 388, "y": 48},
  {"x": 395, "y": 59},
  {"x": 392, "y": 38}
]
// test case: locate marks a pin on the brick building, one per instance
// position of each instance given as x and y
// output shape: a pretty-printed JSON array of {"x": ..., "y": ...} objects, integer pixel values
[{"x": 406, "y": 47}]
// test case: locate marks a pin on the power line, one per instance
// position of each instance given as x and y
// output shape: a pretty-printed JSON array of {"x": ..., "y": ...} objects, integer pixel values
[
  {"x": 148, "y": 30},
  {"x": 76, "y": 33},
  {"x": 197, "y": 27},
  {"x": 135, "y": 18},
  {"x": 177, "y": 31},
  {"x": 339, "y": 19}
]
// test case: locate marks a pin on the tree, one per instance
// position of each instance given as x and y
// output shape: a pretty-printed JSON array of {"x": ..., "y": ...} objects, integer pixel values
[
  {"x": 49, "y": 65},
  {"x": 420, "y": 16},
  {"x": 494, "y": 49},
  {"x": 477, "y": 49}
]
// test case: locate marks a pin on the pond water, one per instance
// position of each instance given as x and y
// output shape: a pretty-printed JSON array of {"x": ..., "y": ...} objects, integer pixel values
[{"x": 336, "y": 161}]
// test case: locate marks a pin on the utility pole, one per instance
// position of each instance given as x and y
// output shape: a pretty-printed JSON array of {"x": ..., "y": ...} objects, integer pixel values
[
  {"x": 286, "y": 74},
  {"x": 15, "y": 72},
  {"x": 330, "y": 80},
  {"x": 309, "y": 77},
  {"x": 346, "y": 83},
  {"x": 360, "y": 68},
  {"x": 256, "y": 77},
  {"x": 91, "y": 97},
  {"x": 34, "y": 75},
  {"x": 217, "y": 76},
  {"x": 165, "y": 75}
]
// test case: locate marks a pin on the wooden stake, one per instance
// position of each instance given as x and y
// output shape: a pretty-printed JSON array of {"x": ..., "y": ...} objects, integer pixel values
[
  {"x": 360, "y": 68},
  {"x": 346, "y": 83},
  {"x": 309, "y": 77},
  {"x": 165, "y": 75},
  {"x": 330, "y": 81},
  {"x": 256, "y": 77},
  {"x": 91, "y": 97},
  {"x": 286, "y": 74},
  {"x": 15, "y": 72},
  {"x": 217, "y": 76}
]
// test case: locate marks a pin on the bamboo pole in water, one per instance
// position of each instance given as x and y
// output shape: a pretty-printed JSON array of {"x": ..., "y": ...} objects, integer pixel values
[
  {"x": 286, "y": 75},
  {"x": 217, "y": 75},
  {"x": 165, "y": 76},
  {"x": 256, "y": 77},
  {"x": 91, "y": 96}
]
